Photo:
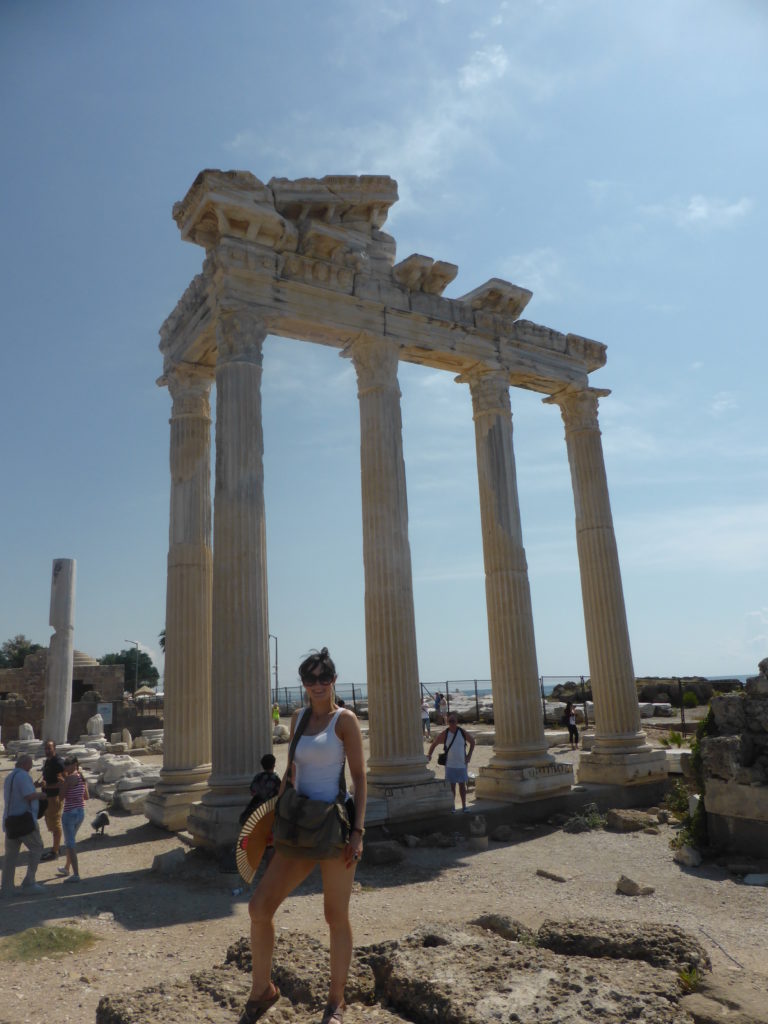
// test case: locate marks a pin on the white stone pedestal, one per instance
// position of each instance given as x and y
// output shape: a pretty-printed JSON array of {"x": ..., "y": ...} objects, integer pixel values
[
  {"x": 622, "y": 768},
  {"x": 520, "y": 784}
]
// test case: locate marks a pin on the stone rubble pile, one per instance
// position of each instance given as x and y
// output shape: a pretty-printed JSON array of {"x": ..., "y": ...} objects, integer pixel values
[{"x": 492, "y": 969}]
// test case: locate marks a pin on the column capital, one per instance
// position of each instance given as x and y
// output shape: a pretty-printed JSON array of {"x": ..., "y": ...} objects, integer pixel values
[
  {"x": 240, "y": 333},
  {"x": 190, "y": 388},
  {"x": 490, "y": 391},
  {"x": 375, "y": 361},
  {"x": 578, "y": 406}
]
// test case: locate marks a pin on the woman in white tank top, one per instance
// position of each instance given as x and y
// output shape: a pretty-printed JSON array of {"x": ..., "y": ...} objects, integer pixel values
[{"x": 330, "y": 737}]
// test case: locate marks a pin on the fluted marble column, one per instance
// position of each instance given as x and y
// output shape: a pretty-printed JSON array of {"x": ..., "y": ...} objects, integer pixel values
[
  {"x": 187, "y": 706},
  {"x": 397, "y": 748},
  {"x": 620, "y": 753},
  {"x": 59, "y": 667},
  {"x": 240, "y": 686},
  {"x": 520, "y": 742}
]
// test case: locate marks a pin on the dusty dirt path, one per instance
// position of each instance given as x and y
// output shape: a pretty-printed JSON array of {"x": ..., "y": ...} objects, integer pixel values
[{"x": 151, "y": 927}]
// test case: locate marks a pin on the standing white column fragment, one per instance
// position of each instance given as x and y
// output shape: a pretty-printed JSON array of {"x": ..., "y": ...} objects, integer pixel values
[
  {"x": 187, "y": 707},
  {"x": 397, "y": 760},
  {"x": 240, "y": 686},
  {"x": 620, "y": 753},
  {"x": 58, "y": 679},
  {"x": 521, "y": 767}
]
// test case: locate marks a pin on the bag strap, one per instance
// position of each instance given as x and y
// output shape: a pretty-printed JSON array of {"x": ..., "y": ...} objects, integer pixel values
[{"x": 301, "y": 724}]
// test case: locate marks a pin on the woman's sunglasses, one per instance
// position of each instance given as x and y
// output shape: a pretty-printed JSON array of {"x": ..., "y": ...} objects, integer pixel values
[{"x": 323, "y": 680}]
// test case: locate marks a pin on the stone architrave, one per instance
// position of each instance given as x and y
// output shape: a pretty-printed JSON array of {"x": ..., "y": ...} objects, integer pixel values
[
  {"x": 521, "y": 766},
  {"x": 620, "y": 752},
  {"x": 397, "y": 758},
  {"x": 240, "y": 684},
  {"x": 187, "y": 703},
  {"x": 58, "y": 681}
]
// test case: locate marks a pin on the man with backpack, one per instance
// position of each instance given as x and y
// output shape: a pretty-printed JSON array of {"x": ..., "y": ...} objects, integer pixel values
[{"x": 455, "y": 756}]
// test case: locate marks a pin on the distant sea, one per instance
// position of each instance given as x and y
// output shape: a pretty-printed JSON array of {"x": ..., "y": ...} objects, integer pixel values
[{"x": 467, "y": 687}]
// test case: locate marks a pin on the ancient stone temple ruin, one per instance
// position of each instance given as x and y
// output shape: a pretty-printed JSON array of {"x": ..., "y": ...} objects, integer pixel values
[{"x": 308, "y": 259}]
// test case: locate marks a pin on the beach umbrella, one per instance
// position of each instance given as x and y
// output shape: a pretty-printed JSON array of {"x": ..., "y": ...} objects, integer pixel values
[{"x": 252, "y": 841}]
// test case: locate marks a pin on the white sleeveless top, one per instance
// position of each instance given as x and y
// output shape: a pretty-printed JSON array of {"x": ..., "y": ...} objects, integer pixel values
[{"x": 318, "y": 761}]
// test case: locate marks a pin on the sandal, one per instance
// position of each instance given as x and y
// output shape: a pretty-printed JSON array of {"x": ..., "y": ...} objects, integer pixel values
[
  {"x": 334, "y": 1014},
  {"x": 256, "y": 1008}
]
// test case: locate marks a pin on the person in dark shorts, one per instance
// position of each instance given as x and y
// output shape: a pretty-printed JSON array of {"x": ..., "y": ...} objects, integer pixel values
[{"x": 53, "y": 772}]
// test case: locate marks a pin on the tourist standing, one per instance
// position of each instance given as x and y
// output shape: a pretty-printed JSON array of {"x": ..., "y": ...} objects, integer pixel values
[
  {"x": 329, "y": 736},
  {"x": 74, "y": 790},
  {"x": 425, "y": 725},
  {"x": 455, "y": 742},
  {"x": 53, "y": 772},
  {"x": 569, "y": 717},
  {"x": 20, "y": 796},
  {"x": 275, "y": 714}
]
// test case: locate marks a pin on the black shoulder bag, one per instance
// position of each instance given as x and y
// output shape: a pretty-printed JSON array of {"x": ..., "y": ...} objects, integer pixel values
[
  {"x": 18, "y": 825},
  {"x": 442, "y": 758}
]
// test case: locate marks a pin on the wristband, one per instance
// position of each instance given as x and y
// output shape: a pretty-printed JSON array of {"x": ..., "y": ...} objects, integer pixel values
[{"x": 360, "y": 830}]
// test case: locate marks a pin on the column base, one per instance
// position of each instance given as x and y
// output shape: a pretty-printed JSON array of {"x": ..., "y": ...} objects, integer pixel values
[
  {"x": 516, "y": 785},
  {"x": 215, "y": 825},
  {"x": 622, "y": 769},
  {"x": 168, "y": 805},
  {"x": 405, "y": 802}
]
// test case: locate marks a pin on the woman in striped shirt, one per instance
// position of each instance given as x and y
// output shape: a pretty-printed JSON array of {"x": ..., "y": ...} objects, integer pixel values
[{"x": 75, "y": 792}]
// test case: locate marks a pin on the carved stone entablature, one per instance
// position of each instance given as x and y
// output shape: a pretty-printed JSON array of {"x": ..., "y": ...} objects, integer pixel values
[
  {"x": 310, "y": 257},
  {"x": 497, "y": 296},
  {"x": 190, "y": 306},
  {"x": 423, "y": 274},
  {"x": 336, "y": 199},
  {"x": 233, "y": 204}
]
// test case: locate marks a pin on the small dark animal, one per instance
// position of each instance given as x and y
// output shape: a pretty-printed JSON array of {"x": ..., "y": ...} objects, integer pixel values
[{"x": 99, "y": 823}]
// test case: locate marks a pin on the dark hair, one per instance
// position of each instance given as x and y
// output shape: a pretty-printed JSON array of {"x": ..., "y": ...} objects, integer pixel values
[
  {"x": 268, "y": 762},
  {"x": 69, "y": 761},
  {"x": 317, "y": 660}
]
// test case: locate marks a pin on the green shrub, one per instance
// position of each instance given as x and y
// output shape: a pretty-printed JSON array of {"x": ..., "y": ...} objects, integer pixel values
[
  {"x": 677, "y": 799},
  {"x": 690, "y": 979},
  {"x": 690, "y": 700}
]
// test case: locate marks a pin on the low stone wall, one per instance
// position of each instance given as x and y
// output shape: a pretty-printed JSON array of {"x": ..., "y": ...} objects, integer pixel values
[{"x": 735, "y": 767}]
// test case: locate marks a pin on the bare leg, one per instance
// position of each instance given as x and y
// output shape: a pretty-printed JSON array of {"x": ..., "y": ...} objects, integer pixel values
[
  {"x": 278, "y": 881},
  {"x": 453, "y": 791},
  {"x": 337, "y": 888},
  {"x": 463, "y": 794}
]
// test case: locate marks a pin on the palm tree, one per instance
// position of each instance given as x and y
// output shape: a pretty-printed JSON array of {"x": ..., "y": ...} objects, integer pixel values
[{"x": 161, "y": 638}]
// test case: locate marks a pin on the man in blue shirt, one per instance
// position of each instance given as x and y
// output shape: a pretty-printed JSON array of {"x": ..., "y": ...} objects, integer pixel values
[{"x": 20, "y": 796}]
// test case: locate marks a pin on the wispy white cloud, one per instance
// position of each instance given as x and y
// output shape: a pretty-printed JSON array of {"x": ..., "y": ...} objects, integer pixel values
[
  {"x": 701, "y": 211},
  {"x": 540, "y": 270},
  {"x": 724, "y": 401},
  {"x": 725, "y": 539},
  {"x": 483, "y": 67}
]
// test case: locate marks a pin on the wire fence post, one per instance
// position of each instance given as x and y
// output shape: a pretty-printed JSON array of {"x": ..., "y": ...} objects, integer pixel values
[
  {"x": 354, "y": 698},
  {"x": 584, "y": 702},
  {"x": 477, "y": 702},
  {"x": 447, "y": 700},
  {"x": 543, "y": 701},
  {"x": 682, "y": 706}
]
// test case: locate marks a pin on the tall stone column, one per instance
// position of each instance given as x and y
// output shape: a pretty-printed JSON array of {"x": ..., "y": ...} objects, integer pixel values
[
  {"x": 620, "y": 753},
  {"x": 187, "y": 706},
  {"x": 521, "y": 767},
  {"x": 58, "y": 672},
  {"x": 240, "y": 685},
  {"x": 397, "y": 771}
]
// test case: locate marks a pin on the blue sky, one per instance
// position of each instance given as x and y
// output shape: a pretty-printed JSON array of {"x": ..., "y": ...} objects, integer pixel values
[{"x": 611, "y": 157}]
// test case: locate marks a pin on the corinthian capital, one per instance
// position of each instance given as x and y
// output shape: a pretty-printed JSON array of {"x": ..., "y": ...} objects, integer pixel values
[
  {"x": 190, "y": 388},
  {"x": 489, "y": 390},
  {"x": 375, "y": 361},
  {"x": 578, "y": 407},
  {"x": 240, "y": 333}
]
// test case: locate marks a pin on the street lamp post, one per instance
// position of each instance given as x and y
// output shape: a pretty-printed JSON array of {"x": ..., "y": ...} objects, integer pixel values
[
  {"x": 273, "y": 637},
  {"x": 136, "y": 680}
]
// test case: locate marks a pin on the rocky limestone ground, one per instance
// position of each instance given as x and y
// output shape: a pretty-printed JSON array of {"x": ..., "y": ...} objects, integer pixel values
[{"x": 167, "y": 945}]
